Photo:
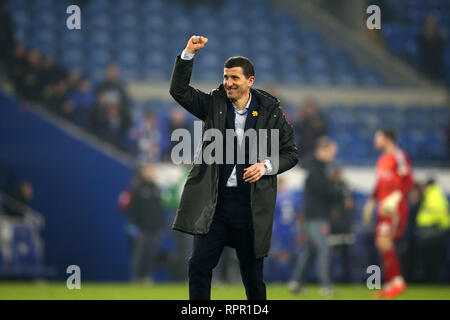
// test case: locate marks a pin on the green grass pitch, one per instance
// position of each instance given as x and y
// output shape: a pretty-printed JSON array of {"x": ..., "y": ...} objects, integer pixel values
[{"x": 107, "y": 291}]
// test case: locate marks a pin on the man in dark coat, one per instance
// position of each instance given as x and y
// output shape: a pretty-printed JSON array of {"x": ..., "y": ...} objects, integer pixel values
[
  {"x": 341, "y": 235},
  {"x": 231, "y": 204},
  {"x": 146, "y": 215},
  {"x": 431, "y": 45},
  {"x": 321, "y": 194}
]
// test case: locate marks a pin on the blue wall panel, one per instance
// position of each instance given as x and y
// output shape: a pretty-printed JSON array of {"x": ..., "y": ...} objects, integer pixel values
[{"x": 76, "y": 189}]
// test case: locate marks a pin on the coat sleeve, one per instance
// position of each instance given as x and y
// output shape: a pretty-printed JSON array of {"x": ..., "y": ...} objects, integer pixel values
[
  {"x": 288, "y": 153},
  {"x": 193, "y": 100}
]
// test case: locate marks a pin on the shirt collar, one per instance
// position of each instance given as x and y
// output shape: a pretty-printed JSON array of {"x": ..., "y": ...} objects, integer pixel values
[{"x": 243, "y": 111}]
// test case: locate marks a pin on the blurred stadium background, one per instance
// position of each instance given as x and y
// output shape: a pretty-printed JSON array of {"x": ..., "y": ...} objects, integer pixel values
[{"x": 80, "y": 110}]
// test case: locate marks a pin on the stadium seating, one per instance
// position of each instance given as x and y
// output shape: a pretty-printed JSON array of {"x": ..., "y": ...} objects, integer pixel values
[
  {"x": 144, "y": 36},
  {"x": 420, "y": 129},
  {"x": 403, "y": 22}
]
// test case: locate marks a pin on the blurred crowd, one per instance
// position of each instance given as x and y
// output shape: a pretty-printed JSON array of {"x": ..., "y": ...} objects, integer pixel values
[
  {"x": 102, "y": 110},
  {"x": 328, "y": 227},
  {"x": 105, "y": 109},
  {"x": 330, "y": 230}
]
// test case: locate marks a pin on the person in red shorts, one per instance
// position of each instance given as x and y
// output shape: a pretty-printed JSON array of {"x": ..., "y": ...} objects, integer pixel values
[{"x": 394, "y": 179}]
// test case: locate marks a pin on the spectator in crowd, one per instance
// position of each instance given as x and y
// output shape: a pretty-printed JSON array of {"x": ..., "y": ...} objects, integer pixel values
[
  {"x": 19, "y": 198},
  {"x": 124, "y": 204},
  {"x": 177, "y": 120},
  {"x": 37, "y": 79},
  {"x": 110, "y": 123},
  {"x": 433, "y": 223},
  {"x": 31, "y": 81},
  {"x": 145, "y": 212},
  {"x": 83, "y": 99},
  {"x": 6, "y": 36},
  {"x": 431, "y": 46},
  {"x": 112, "y": 86},
  {"x": 17, "y": 68},
  {"x": 147, "y": 137},
  {"x": 408, "y": 244},
  {"x": 111, "y": 119},
  {"x": 341, "y": 223},
  {"x": 284, "y": 234},
  {"x": 57, "y": 97},
  {"x": 309, "y": 126},
  {"x": 50, "y": 73},
  {"x": 73, "y": 79},
  {"x": 95, "y": 115},
  {"x": 67, "y": 108},
  {"x": 321, "y": 194}
]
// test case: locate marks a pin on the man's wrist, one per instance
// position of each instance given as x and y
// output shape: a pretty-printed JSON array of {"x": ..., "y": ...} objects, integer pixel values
[
  {"x": 268, "y": 166},
  {"x": 186, "y": 55}
]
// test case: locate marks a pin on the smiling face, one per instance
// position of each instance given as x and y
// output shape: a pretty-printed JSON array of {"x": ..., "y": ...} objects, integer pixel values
[{"x": 236, "y": 84}]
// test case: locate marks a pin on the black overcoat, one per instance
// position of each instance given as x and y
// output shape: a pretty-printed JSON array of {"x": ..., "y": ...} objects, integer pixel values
[{"x": 199, "y": 198}]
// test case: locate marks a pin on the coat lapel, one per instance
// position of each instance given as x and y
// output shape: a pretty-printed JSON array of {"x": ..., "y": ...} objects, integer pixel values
[{"x": 252, "y": 117}]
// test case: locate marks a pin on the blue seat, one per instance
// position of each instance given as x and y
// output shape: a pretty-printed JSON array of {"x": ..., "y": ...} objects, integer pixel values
[
  {"x": 370, "y": 77},
  {"x": 282, "y": 50},
  {"x": 435, "y": 145},
  {"x": 358, "y": 147},
  {"x": 439, "y": 116},
  {"x": 346, "y": 79}
]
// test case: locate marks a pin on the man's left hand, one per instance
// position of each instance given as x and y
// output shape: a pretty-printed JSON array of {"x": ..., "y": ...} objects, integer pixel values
[{"x": 254, "y": 172}]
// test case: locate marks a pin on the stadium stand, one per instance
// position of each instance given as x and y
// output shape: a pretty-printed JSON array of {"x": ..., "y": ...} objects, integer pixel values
[
  {"x": 353, "y": 128},
  {"x": 404, "y": 22},
  {"x": 285, "y": 52},
  {"x": 288, "y": 52},
  {"x": 298, "y": 57}
]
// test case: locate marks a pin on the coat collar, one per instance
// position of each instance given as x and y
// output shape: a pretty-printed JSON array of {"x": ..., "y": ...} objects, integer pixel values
[{"x": 252, "y": 113}]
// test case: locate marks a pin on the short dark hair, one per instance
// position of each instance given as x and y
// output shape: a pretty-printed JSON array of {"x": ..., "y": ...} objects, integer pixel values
[
  {"x": 389, "y": 133},
  {"x": 239, "y": 61},
  {"x": 323, "y": 142}
]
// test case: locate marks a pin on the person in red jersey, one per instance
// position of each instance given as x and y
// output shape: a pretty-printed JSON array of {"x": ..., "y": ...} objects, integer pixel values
[{"x": 394, "y": 180}]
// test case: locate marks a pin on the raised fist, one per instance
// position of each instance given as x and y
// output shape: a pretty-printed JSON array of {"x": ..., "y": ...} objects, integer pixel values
[{"x": 195, "y": 43}]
